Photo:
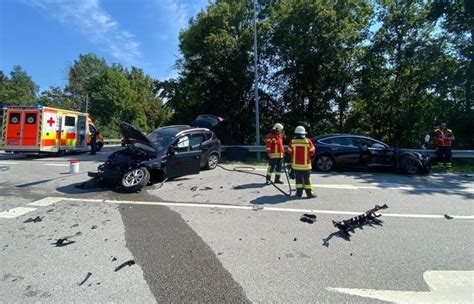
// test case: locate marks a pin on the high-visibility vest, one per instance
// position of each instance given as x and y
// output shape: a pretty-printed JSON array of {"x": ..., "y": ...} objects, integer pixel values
[
  {"x": 274, "y": 145},
  {"x": 444, "y": 139},
  {"x": 301, "y": 150}
]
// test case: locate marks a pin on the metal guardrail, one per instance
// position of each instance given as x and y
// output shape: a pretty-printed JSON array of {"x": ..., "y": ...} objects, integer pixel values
[
  {"x": 430, "y": 152},
  {"x": 255, "y": 149}
]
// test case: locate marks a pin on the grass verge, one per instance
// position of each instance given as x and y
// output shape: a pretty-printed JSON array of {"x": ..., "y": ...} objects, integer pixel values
[{"x": 459, "y": 166}]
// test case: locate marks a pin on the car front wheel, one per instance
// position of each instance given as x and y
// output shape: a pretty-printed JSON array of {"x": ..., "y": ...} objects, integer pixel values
[
  {"x": 409, "y": 166},
  {"x": 212, "y": 161},
  {"x": 135, "y": 179},
  {"x": 325, "y": 163}
]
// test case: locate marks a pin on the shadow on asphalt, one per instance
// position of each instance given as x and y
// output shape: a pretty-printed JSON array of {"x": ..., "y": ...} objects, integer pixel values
[
  {"x": 249, "y": 186},
  {"x": 272, "y": 199},
  {"x": 346, "y": 236},
  {"x": 433, "y": 183}
]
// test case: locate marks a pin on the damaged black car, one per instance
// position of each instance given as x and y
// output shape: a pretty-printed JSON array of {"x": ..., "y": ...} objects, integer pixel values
[
  {"x": 167, "y": 152},
  {"x": 340, "y": 151}
]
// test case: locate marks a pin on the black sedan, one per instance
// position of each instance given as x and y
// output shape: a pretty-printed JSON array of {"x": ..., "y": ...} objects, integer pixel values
[
  {"x": 339, "y": 151},
  {"x": 167, "y": 152}
]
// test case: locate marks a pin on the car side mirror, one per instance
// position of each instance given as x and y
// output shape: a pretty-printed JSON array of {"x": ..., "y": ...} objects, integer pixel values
[{"x": 171, "y": 151}]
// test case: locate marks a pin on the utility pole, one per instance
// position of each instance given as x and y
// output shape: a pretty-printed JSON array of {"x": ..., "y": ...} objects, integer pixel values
[
  {"x": 257, "y": 112},
  {"x": 87, "y": 103}
]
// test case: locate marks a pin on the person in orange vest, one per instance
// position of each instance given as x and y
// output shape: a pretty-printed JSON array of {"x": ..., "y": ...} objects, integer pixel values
[
  {"x": 302, "y": 150},
  {"x": 444, "y": 138},
  {"x": 275, "y": 151}
]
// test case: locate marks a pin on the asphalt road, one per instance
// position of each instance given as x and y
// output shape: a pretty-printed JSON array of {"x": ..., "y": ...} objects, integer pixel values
[{"x": 225, "y": 237}]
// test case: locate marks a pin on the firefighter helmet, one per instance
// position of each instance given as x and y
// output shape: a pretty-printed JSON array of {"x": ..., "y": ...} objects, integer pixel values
[
  {"x": 278, "y": 127},
  {"x": 300, "y": 130}
]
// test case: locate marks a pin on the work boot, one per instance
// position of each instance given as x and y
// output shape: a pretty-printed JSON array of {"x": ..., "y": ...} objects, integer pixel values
[
  {"x": 277, "y": 180},
  {"x": 299, "y": 192},
  {"x": 310, "y": 194},
  {"x": 269, "y": 180}
]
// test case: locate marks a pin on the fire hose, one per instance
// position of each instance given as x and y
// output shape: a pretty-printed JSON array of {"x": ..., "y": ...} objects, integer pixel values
[{"x": 250, "y": 170}]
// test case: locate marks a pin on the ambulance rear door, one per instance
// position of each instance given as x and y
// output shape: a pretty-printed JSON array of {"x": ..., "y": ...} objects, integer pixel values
[
  {"x": 13, "y": 132},
  {"x": 50, "y": 136},
  {"x": 22, "y": 129},
  {"x": 68, "y": 131}
]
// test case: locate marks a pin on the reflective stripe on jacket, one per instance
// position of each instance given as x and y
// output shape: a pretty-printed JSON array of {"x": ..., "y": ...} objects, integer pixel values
[
  {"x": 444, "y": 139},
  {"x": 274, "y": 145},
  {"x": 301, "y": 150}
]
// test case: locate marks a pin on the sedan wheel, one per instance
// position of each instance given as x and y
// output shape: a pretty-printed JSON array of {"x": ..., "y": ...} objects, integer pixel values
[
  {"x": 324, "y": 163},
  {"x": 409, "y": 167},
  {"x": 134, "y": 180}
]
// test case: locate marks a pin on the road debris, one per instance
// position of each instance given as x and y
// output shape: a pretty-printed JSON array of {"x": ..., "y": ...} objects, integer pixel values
[
  {"x": 75, "y": 225},
  {"x": 33, "y": 220},
  {"x": 368, "y": 217},
  {"x": 308, "y": 218},
  {"x": 206, "y": 188},
  {"x": 63, "y": 242},
  {"x": 94, "y": 227},
  {"x": 448, "y": 217},
  {"x": 127, "y": 263},
  {"x": 89, "y": 274},
  {"x": 114, "y": 259},
  {"x": 194, "y": 188},
  {"x": 295, "y": 239}
]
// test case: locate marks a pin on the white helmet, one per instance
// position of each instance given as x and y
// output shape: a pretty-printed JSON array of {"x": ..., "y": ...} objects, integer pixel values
[
  {"x": 300, "y": 130},
  {"x": 278, "y": 127}
]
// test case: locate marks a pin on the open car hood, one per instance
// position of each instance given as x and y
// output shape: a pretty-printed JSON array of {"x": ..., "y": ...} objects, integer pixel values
[
  {"x": 206, "y": 121},
  {"x": 132, "y": 134}
]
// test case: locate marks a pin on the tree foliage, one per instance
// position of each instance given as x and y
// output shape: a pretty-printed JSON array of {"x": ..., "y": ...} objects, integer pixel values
[
  {"x": 387, "y": 68},
  {"x": 18, "y": 89}
]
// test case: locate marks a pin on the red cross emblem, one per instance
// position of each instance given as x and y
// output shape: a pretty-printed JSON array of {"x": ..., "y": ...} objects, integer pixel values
[{"x": 50, "y": 121}]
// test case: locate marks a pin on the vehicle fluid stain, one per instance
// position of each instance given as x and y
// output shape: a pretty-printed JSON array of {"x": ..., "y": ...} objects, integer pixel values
[{"x": 178, "y": 266}]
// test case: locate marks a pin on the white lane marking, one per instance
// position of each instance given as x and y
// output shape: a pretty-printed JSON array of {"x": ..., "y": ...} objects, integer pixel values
[
  {"x": 445, "y": 287},
  {"x": 15, "y": 212},
  {"x": 275, "y": 209},
  {"x": 57, "y": 165},
  {"x": 45, "y": 201},
  {"x": 8, "y": 163}
]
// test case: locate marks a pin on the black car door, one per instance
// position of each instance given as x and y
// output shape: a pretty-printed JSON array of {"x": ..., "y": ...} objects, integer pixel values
[
  {"x": 380, "y": 155},
  {"x": 344, "y": 151},
  {"x": 182, "y": 160}
]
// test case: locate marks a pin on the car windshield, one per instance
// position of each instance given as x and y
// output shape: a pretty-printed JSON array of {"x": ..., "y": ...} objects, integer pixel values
[{"x": 161, "y": 139}]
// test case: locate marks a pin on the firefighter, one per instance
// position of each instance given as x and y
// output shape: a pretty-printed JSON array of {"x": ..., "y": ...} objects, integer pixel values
[
  {"x": 94, "y": 134},
  {"x": 275, "y": 151},
  {"x": 302, "y": 150},
  {"x": 444, "y": 138}
]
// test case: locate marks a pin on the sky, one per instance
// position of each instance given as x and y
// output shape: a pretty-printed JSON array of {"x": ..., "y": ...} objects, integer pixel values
[{"x": 46, "y": 36}]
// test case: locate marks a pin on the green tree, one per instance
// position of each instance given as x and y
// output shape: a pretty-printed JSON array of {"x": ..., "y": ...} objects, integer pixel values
[
  {"x": 18, "y": 89},
  {"x": 86, "y": 67},
  {"x": 151, "y": 112},
  {"x": 110, "y": 98},
  {"x": 55, "y": 97},
  {"x": 456, "y": 20},
  {"x": 396, "y": 92},
  {"x": 215, "y": 72},
  {"x": 312, "y": 46}
]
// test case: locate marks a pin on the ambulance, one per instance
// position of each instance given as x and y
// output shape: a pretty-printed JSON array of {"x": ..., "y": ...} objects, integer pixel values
[{"x": 39, "y": 129}]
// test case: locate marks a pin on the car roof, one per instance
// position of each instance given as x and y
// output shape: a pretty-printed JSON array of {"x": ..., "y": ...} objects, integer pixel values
[
  {"x": 345, "y": 135},
  {"x": 180, "y": 129}
]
